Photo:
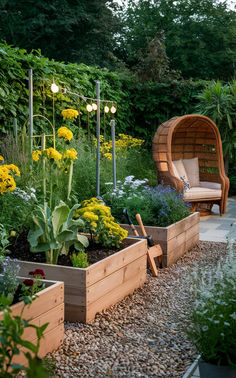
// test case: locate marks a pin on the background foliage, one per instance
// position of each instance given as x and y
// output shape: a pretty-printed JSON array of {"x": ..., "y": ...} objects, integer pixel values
[{"x": 142, "y": 106}]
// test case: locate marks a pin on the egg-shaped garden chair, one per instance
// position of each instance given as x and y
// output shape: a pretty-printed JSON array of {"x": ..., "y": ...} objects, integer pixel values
[{"x": 187, "y": 151}]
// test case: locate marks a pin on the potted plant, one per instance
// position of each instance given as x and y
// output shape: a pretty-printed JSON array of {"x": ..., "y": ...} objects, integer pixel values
[
  {"x": 165, "y": 216},
  {"x": 213, "y": 320},
  {"x": 31, "y": 317}
]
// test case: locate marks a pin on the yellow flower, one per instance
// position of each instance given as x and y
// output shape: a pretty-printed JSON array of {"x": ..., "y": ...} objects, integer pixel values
[
  {"x": 1, "y": 158},
  {"x": 69, "y": 113},
  {"x": 36, "y": 154},
  {"x": 7, "y": 182},
  {"x": 13, "y": 233},
  {"x": 53, "y": 154},
  {"x": 64, "y": 133},
  {"x": 70, "y": 154},
  {"x": 90, "y": 216},
  {"x": 13, "y": 168}
]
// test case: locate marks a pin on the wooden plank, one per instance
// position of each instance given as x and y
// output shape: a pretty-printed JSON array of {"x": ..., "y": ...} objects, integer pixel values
[
  {"x": 162, "y": 156},
  {"x": 51, "y": 341},
  {"x": 54, "y": 317},
  {"x": 180, "y": 239},
  {"x": 177, "y": 253},
  {"x": 74, "y": 294},
  {"x": 163, "y": 167},
  {"x": 177, "y": 155},
  {"x": 181, "y": 226},
  {"x": 162, "y": 148},
  {"x": 102, "y": 287},
  {"x": 56, "y": 272},
  {"x": 115, "y": 295},
  {"x": 153, "y": 252},
  {"x": 47, "y": 299},
  {"x": 162, "y": 139},
  {"x": 210, "y": 141},
  {"x": 114, "y": 262}
]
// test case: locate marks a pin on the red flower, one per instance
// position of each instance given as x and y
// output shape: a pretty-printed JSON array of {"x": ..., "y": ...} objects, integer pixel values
[
  {"x": 28, "y": 282},
  {"x": 37, "y": 272}
]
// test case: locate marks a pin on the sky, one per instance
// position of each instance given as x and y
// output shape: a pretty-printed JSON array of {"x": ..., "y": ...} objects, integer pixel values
[{"x": 231, "y": 3}]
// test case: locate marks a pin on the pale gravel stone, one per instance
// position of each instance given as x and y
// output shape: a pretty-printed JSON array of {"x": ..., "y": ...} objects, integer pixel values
[{"x": 142, "y": 336}]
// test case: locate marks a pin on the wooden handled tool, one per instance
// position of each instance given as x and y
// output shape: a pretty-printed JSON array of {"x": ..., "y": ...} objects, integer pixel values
[
  {"x": 154, "y": 251},
  {"x": 135, "y": 232}
]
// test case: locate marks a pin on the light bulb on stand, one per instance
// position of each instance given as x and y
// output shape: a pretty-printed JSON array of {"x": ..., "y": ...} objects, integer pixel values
[
  {"x": 89, "y": 108},
  {"x": 54, "y": 88},
  {"x": 94, "y": 106},
  {"x": 113, "y": 109},
  {"x": 106, "y": 109}
]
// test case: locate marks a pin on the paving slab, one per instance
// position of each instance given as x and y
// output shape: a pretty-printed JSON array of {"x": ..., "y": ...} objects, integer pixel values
[{"x": 219, "y": 228}]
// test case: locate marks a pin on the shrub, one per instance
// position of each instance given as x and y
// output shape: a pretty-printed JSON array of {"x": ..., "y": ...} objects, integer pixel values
[
  {"x": 213, "y": 321},
  {"x": 158, "y": 206}
]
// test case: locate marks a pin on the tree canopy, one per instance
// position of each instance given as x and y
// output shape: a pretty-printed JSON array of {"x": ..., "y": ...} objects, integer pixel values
[
  {"x": 66, "y": 30},
  {"x": 200, "y": 35}
]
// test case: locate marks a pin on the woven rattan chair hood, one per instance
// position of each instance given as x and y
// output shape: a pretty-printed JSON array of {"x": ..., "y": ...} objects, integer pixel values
[{"x": 188, "y": 137}]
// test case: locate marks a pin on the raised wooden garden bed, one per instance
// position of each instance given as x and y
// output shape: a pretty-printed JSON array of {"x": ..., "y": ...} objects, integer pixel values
[
  {"x": 48, "y": 307},
  {"x": 102, "y": 284},
  {"x": 175, "y": 239}
]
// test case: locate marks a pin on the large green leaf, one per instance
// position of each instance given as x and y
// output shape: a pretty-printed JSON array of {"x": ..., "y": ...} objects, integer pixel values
[
  {"x": 65, "y": 235},
  {"x": 33, "y": 236},
  {"x": 59, "y": 216}
]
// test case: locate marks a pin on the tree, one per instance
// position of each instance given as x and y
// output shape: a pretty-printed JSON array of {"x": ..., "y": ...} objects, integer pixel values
[
  {"x": 66, "y": 30},
  {"x": 200, "y": 35}
]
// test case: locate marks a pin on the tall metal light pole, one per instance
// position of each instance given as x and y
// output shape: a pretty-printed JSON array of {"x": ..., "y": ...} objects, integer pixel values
[
  {"x": 98, "y": 139},
  {"x": 31, "y": 127}
]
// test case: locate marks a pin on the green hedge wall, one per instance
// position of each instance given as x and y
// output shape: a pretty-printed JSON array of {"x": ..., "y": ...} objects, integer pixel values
[{"x": 141, "y": 107}]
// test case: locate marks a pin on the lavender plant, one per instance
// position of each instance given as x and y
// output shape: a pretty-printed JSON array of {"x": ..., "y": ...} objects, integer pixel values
[
  {"x": 213, "y": 321},
  {"x": 158, "y": 206}
]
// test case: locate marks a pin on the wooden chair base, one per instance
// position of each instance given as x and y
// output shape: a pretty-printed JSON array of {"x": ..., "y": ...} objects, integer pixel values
[{"x": 204, "y": 208}]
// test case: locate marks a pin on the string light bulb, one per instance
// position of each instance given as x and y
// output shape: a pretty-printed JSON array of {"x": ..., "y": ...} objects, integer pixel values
[
  {"x": 54, "y": 88},
  {"x": 94, "y": 106},
  {"x": 89, "y": 108},
  {"x": 113, "y": 109},
  {"x": 106, "y": 109}
]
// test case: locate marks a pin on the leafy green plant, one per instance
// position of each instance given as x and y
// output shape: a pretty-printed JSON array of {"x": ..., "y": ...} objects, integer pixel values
[
  {"x": 213, "y": 321},
  {"x": 218, "y": 101},
  {"x": 54, "y": 233},
  {"x": 11, "y": 339},
  {"x": 159, "y": 206},
  {"x": 80, "y": 259}
]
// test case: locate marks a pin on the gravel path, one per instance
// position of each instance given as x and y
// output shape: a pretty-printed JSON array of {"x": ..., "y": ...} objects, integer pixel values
[{"x": 141, "y": 336}]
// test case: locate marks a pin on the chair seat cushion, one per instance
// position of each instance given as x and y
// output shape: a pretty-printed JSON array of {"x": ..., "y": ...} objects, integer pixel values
[
  {"x": 210, "y": 185},
  {"x": 201, "y": 193}
]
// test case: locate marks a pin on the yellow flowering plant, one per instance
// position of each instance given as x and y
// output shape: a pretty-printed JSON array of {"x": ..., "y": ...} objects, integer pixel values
[
  {"x": 122, "y": 145},
  {"x": 7, "y": 174},
  {"x": 57, "y": 168},
  {"x": 65, "y": 133},
  {"x": 69, "y": 114},
  {"x": 100, "y": 223}
]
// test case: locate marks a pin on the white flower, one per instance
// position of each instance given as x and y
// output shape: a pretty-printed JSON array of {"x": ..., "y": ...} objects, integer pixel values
[
  {"x": 205, "y": 328},
  {"x": 227, "y": 324},
  {"x": 109, "y": 183},
  {"x": 233, "y": 315},
  {"x": 128, "y": 179}
]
